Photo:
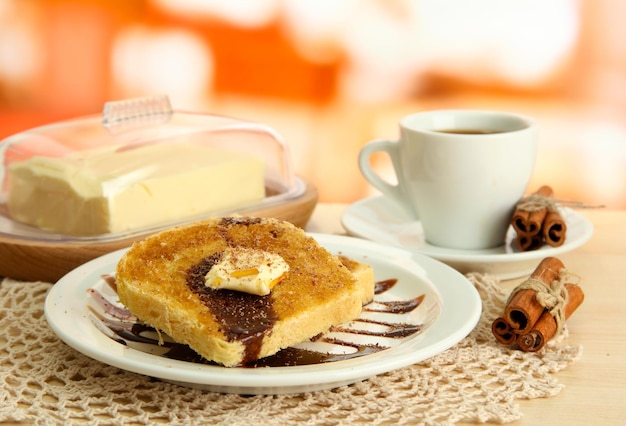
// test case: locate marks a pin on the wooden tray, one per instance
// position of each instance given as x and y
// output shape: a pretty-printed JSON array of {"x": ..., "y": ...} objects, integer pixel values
[{"x": 49, "y": 261}]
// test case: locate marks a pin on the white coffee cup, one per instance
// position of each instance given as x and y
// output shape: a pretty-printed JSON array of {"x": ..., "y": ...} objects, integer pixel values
[{"x": 460, "y": 172}]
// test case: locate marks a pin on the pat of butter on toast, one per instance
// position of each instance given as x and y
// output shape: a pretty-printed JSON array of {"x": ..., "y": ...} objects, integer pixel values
[{"x": 248, "y": 270}]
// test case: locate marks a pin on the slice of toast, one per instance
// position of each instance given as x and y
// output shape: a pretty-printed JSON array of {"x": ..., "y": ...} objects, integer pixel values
[
  {"x": 161, "y": 280},
  {"x": 364, "y": 275}
]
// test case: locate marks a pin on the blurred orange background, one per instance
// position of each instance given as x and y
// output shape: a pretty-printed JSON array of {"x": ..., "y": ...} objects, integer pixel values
[{"x": 332, "y": 75}]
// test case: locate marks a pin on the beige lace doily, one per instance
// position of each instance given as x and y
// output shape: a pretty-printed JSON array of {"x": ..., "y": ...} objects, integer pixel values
[{"x": 46, "y": 382}]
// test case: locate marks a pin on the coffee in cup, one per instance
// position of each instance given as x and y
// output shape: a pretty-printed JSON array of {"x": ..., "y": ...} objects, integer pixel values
[{"x": 460, "y": 172}]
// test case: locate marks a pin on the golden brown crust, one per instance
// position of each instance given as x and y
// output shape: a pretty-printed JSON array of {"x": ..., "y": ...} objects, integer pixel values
[{"x": 317, "y": 292}]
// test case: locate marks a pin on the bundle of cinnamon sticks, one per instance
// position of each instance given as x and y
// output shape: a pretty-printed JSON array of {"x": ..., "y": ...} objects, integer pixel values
[
  {"x": 537, "y": 221},
  {"x": 538, "y": 308}
]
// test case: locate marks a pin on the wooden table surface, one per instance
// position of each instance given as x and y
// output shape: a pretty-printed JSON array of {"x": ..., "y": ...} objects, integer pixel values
[{"x": 595, "y": 385}]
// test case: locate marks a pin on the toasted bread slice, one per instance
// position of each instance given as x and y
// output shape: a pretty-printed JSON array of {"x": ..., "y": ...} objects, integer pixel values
[
  {"x": 364, "y": 275},
  {"x": 161, "y": 280}
]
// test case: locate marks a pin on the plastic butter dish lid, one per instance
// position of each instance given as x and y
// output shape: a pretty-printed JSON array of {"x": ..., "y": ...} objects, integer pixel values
[{"x": 138, "y": 168}]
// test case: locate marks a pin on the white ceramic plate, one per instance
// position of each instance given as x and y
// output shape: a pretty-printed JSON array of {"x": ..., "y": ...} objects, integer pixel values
[
  {"x": 384, "y": 221},
  {"x": 450, "y": 310}
]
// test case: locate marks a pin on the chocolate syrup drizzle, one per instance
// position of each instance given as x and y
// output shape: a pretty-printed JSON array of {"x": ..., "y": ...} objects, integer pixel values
[{"x": 122, "y": 326}]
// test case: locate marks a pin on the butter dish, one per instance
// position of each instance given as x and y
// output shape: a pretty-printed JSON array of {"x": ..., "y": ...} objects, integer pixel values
[{"x": 73, "y": 190}]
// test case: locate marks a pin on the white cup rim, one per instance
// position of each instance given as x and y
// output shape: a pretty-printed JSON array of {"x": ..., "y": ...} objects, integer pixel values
[{"x": 435, "y": 121}]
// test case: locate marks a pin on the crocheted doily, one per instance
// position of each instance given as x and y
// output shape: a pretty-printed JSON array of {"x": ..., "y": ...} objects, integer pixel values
[{"x": 45, "y": 381}]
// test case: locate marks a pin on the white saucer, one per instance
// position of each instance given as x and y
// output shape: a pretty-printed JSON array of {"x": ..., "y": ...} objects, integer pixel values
[{"x": 384, "y": 221}]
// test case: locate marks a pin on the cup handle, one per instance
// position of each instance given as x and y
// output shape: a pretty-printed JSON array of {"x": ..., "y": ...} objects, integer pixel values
[{"x": 394, "y": 192}]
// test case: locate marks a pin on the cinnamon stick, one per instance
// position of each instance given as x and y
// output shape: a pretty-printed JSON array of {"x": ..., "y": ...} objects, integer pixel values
[
  {"x": 536, "y": 221},
  {"x": 503, "y": 332},
  {"x": 528, "y": 242},
  {"x": 554, "y": 229},
  {"x": 530, "y": 222},
  {"x": 523, "y": 310},
  {"x": 546, "y": 326}
]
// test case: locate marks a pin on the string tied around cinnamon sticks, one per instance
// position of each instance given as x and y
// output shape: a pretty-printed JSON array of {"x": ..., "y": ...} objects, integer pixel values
[
  {"x": 537, "y": 309},
  {"x": 537, "y": 202}
]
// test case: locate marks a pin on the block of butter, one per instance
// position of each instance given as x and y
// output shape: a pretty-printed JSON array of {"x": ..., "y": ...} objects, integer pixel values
[{"x": 112, "y": 191}]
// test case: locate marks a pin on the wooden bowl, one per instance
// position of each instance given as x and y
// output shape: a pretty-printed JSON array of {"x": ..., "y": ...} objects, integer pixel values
[{"x": 49, "y": 261}]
